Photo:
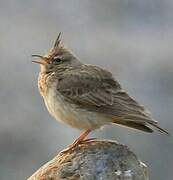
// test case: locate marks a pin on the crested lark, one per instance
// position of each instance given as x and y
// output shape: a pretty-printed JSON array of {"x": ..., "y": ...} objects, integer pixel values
[{"x": 86, "y": 96}]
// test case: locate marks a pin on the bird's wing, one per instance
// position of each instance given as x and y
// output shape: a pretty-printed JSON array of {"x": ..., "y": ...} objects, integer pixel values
[
  {"x": 88, "y": 86},
  {"x": 94, "y": 89}
]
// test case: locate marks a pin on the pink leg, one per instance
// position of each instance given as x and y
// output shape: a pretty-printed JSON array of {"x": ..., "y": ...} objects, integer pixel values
[{"x": 77, "y": 141}]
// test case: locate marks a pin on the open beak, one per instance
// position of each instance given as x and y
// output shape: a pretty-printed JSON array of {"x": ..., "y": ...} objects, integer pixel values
[{"x": 41, "y": 61}]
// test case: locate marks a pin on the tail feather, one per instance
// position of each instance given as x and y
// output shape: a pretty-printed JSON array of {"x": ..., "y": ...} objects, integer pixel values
[
  {"x": 131, "y": 114},
  {"x": 160, "y": 129},
  {"x": 135, "y": 125},
  {"x": 145, "y": 126}
]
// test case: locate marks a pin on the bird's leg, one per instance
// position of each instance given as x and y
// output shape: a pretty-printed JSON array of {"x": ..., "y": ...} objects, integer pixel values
[{"x": 79, "y": 140}]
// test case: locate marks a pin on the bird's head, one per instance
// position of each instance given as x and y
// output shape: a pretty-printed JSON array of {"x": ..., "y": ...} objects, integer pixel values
[{"x": 58, "y": 57}]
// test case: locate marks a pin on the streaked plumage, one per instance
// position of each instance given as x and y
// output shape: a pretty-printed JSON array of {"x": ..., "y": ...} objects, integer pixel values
[{"x": 86, "y": 96}]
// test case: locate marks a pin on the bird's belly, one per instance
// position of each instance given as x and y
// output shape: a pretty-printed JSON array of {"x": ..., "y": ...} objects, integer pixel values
[{"x": 70, "y": 114}]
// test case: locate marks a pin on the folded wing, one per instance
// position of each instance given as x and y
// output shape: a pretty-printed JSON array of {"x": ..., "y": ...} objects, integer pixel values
[{"x": 95, "y": 89}]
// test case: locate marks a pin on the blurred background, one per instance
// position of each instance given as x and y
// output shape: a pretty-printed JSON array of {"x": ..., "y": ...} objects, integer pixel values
[{"x": 131, "y": 38}]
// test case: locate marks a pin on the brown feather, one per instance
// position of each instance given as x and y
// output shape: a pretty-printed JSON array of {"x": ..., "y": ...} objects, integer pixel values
[
  {"x": 101, "y": 93},
  {"x": 135, "y": 125}
]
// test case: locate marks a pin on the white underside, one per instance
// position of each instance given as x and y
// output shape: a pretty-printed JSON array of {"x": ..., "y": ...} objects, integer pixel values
[{"x": 71, "y": 115}]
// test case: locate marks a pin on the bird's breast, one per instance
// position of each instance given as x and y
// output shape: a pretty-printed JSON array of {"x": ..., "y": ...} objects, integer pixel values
[{"x": 70, "y": 114}]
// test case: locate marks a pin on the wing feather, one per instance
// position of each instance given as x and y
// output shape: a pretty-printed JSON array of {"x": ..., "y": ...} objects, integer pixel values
[
  {"x": 87, "y": 87},
  {"x": 95, "y": 89}
]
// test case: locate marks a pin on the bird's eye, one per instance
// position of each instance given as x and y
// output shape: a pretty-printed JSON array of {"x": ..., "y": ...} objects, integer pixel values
[{"x": 57, "y": 60}]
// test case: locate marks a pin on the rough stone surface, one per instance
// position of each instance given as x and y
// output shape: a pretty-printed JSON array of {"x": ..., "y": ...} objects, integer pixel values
[{"x": 94, "y": 160}]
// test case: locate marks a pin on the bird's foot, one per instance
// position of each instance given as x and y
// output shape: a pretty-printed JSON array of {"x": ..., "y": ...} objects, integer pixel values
[
  {"x": 80, "y": 140},
  {"x": 87, "y": 140}
]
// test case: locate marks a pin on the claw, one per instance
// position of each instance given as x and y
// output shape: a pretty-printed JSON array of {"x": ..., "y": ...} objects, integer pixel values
[{"x": 87, "y": 140}]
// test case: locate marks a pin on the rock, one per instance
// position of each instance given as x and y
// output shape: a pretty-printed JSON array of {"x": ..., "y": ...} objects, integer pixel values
[{"x": 94, "y": 160}]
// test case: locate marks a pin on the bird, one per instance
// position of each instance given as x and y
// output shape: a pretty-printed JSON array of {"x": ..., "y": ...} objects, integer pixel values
[{"x": 85, "y": 96}]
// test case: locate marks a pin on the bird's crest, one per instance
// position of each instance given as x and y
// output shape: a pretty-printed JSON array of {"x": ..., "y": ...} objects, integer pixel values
[{"x": 57, "y": 42}]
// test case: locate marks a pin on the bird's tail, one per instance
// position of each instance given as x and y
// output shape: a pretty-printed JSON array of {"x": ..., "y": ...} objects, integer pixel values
[
  {"x": 134, "y": 125},
  {"x": 131, "y": 114},
  {"x": 160, "y": 129},
  {"x": 145, "y": 126}
]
